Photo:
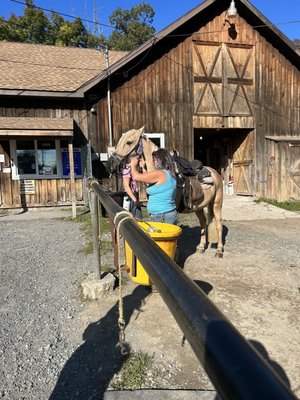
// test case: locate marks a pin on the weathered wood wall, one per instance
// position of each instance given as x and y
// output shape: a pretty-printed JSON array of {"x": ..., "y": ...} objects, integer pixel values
[
  {"x": 47, "y": 191},
  {"x": 161, "y": 94},
  {"x": 283, "y": 171},
  {"x": 18, "y": 107},
  {"x": 159, "y": 97}
]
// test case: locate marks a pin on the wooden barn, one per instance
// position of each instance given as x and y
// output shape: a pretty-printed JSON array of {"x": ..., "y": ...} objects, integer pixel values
[
  {"x": 47, "y": 124},
  {"x": 220, "y": 84}
]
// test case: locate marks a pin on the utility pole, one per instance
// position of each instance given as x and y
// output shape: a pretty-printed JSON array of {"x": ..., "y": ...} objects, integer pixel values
[
  {"x": 108, "y": 97},
  {"x": 104, "y": 48}
]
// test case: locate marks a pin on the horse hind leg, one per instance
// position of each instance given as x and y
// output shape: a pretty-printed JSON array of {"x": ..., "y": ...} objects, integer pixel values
[
  {"x": 202, "y": 220},
  {"x": 215, "y": 217}
]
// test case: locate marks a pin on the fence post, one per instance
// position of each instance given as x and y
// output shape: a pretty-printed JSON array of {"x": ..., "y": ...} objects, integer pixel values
[{"x": 95, "y": 227}]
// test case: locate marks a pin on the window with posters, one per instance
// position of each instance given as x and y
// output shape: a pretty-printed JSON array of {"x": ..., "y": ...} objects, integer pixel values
[
  {"x": 66, "y": 162},
  {"x": 43, "y": 159}
]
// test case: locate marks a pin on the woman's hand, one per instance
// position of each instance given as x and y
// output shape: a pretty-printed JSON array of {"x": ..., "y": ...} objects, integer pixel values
[{"x": 134, "y": 162}]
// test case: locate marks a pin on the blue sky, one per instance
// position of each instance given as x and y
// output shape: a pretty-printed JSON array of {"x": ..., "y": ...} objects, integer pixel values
[{"x": 281, "y": 12}]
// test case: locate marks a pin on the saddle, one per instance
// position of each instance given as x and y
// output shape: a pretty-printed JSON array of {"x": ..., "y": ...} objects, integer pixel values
[{"x": 192, "y": 178}]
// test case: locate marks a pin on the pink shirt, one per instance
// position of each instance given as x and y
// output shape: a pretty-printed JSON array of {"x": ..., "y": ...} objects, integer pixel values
[{"x": 126, "y": 173}]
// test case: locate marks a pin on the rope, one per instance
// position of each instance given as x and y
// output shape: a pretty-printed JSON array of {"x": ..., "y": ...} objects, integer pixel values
[{"x": 121, "y": 322}]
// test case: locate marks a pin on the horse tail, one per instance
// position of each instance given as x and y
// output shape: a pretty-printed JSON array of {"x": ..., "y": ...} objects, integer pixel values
[{"x": 211, "y": 225}]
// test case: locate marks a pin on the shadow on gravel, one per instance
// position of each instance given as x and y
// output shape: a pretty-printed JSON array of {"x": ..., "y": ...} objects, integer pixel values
[
  {"x": 274, "y": 365},
  {"x": 187, "y": 243},
  {"x": 189, "y": 240},
  {"x": 89, "y": 370},
  {"x": 205, "y": 286}
]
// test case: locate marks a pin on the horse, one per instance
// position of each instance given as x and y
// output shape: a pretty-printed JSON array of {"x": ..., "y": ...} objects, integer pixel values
[{"x": 135, "y": 142}]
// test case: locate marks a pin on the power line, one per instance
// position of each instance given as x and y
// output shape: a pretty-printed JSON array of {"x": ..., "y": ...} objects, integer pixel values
[
  {"x": 157, "y": 36},
  {"x": 142, "y": 59},
  {"x": 183, "y": 66},
  {"x": 65, "y": 15},
  {"x": 225, "y": 30}
]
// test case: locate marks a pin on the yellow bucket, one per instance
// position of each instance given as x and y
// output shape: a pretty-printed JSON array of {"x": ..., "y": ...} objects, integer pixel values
[{"x": 165, "y": 237}]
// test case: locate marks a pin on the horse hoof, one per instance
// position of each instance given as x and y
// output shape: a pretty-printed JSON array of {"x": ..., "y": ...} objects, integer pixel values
[{"x": 219, "y": 255}]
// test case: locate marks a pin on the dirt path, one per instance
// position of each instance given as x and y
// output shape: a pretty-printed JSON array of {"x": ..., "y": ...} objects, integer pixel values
[
  {"x": 70, "y": 346},
  {"x": 256, "y": 285}
]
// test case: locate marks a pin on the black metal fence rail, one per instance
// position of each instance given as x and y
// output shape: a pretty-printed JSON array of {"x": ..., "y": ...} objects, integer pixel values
[{"x": 234, "y": 367}]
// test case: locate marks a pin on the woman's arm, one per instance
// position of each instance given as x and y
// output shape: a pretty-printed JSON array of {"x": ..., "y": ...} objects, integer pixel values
[{"x": 156, "y": 176}]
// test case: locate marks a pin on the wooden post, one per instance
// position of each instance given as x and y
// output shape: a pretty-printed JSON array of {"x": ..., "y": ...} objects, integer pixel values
[
  {"x": 72, "y": 178},
  {"x": 95, "y": 225}
]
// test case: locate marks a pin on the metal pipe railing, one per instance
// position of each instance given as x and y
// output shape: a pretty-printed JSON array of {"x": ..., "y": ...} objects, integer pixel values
[{"x": 234, "y": 367}]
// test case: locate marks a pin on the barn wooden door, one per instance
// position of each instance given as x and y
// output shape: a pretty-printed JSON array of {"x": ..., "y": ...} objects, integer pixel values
[
  {"x": 243, "y": 165},
  {"x": 223, "y": 79}
]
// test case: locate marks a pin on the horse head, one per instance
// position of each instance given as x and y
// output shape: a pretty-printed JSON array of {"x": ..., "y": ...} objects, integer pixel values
[{"x": 131, "y": 143}]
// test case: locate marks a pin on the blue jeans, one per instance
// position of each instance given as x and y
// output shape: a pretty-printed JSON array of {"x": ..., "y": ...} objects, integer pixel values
[
  {"x": 170, "y": 217},
  {"x": 136, "y": 211}
]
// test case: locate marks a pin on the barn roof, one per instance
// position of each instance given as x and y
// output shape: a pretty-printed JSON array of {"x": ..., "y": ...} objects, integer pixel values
[
  {"x": 245, "y": 9},
  {"x": 49, "y": 70}
]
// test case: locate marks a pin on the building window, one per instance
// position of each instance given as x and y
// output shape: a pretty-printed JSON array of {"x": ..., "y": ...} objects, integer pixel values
[
  {"x": 66, "y": 162},
  {"x": 47, "y": 157},
  {"x": 43, "y": 159},
  {"x": 26, "y": 159},
  {"x": 35, "y": 158}
]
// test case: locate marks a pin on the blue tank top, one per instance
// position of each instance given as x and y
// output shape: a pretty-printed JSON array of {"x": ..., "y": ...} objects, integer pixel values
[{"x": 162, "y": 197}]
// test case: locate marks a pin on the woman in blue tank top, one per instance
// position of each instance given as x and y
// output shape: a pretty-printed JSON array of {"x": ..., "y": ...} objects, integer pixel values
[{"x": 161, "y": 202}]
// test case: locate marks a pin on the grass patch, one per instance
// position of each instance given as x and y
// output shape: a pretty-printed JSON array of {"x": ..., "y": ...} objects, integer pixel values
[
  {"x": 286, "y": 205},
  {"x": 105, "y": 247},
  {"x": 86, "y": 221},
  {"x": 145, "y": 213},
  {"x": 4, "y": 212},
  {"x": 134, "y": 372},
  {"x": 87, "y": 249}
]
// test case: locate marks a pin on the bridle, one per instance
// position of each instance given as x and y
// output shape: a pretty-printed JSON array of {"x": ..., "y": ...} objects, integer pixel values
[{"x": 122, "y": 160}]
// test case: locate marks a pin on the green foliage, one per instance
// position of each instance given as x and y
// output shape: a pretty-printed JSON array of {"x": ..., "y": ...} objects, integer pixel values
[
  {"x": 287, "y": 205},
  {"x": 133, "y": 372},
  {"x": 32, "y": 27},
  {"x": 36, "y": 27},
  {"x": 132, "y": 27},
  {"x": 297, "y": 43}
]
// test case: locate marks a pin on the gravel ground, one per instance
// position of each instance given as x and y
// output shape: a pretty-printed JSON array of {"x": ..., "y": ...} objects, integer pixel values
[
  {"x": 54, "y": 345},
  {"x": 41, "y": 271}
]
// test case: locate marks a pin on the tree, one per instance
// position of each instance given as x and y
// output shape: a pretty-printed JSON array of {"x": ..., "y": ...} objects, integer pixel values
[
  {"x": 32, "y": 27},
  {"x": 36, "y": 27},
  {"x": 297, "y": 43},
  {"x": 132, "y": 27},
  {"x": 66, "y": 33}
]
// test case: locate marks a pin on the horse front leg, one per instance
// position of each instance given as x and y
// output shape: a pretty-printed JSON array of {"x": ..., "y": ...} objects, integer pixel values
[{"x": 202, "y": 220}]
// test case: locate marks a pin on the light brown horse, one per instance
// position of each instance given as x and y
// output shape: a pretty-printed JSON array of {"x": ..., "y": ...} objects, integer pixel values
[{"x": 135, "y": 142}]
